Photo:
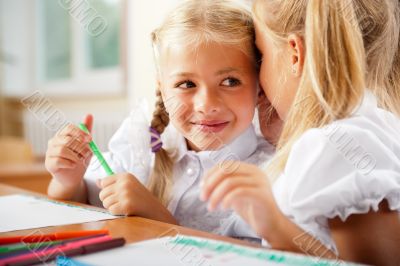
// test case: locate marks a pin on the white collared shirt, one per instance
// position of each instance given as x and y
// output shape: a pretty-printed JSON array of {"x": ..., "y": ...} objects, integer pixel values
[
  {"x": 129, "y": 151},
  {"x": 345, "y": 168}
]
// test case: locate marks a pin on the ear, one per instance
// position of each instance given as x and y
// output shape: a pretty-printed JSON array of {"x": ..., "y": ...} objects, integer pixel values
[{"x": 296, "y": 54}]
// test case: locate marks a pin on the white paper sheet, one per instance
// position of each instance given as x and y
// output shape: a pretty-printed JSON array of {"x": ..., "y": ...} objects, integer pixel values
[
  {"x": 160, "y": 252},
  {"x": 18, "y": 212},
  {"x": 193, "y": 251}
]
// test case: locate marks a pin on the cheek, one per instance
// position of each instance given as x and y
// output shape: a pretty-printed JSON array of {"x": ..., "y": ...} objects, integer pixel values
[
  {"x": 178, "y": 108},
  {"x": 266, "y": 80},
  {"x": 243, "y": 105},
  {"x": 274, "y": 82}
]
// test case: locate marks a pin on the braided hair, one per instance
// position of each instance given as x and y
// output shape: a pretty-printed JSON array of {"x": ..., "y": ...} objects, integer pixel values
[{"x": 160, "y": 179}]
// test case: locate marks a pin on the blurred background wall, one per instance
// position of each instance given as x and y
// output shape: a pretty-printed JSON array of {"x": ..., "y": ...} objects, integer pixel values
[{"x": 74, "y": 57}]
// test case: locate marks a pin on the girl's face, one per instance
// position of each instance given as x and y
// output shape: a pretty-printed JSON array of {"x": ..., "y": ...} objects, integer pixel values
[
  {"x": 279, "y": 74},
  {"x": 209, "y": 93}
]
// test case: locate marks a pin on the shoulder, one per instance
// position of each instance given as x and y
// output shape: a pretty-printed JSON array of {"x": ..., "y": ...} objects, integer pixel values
[
  {"x": 336, "y": 170},
  {"x": 131, "y": 142},
  {"x": 360, "y": 143}
]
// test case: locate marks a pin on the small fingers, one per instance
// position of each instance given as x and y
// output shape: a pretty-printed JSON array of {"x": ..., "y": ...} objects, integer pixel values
[
  {"x": 115, "y": 209},
  {"x": 109, "y": 180},
  {"x": 64, "y": 153},
  {"x": 75, "y": 132},
  {"x": 118, "y": 208},
  {"x": 210, "y": 182},
  {"x": 225, "y": 187},
  {"x": 77, "y": 145},
  {"x": 106, "y": 192},
  {"x": 109, "y": 201},
  {"x": 235, "y": 195}
]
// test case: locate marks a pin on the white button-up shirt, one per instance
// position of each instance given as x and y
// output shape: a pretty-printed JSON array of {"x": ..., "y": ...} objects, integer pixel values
[
  {"x": 345, "y": 168},
  {"x": 129, "y": 151}
]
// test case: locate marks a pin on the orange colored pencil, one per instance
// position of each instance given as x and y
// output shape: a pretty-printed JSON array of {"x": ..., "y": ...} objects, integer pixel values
[{"x": 50, "y": 237}]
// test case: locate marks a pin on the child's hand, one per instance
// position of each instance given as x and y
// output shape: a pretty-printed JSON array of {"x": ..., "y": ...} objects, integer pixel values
[
  {"x": 68, "y": 154},
  {"x": 123, "y": 194},
  {"x": 247, "y": 191}
]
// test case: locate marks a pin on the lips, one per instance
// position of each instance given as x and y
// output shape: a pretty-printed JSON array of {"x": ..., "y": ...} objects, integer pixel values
[{"x": 214, "y": 126}]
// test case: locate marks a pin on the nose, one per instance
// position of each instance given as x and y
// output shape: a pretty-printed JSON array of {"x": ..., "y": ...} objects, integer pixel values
[{"x": 207, "y": 101}]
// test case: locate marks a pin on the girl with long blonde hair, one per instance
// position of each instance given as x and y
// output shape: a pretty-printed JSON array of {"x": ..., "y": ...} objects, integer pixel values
[
  {"x": 205, "y": 102},
  {"x": 330, "y": 73}
]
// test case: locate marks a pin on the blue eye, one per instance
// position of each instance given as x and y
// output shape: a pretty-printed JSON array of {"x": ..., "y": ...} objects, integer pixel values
[
  {"x": 231, "y": 82},
  {"x": 187, "y": 84}
]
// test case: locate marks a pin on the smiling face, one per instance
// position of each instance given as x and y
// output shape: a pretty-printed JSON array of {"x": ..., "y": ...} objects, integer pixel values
[{"x": 209, "y": 93}]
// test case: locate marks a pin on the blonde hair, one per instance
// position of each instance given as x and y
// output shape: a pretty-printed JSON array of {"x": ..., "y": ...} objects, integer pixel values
[
  {"x": 381, "y": 30},
  {"x": 393, "y": 96},
  {"x": 340, "y": 52},
  {"x": 193, "y": 23}
]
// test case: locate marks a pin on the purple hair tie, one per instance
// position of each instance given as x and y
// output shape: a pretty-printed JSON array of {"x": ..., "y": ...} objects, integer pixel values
[{"x": 155, "y": 141}]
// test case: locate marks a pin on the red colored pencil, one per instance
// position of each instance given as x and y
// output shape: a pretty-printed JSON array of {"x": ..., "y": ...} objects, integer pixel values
[{"x": 49, "y": 237}]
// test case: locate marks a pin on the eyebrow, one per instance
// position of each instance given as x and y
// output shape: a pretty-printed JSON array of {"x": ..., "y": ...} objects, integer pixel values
[
  {"x": 227, "y": 70},
  {"x": 218, "y": 73},
  {"x": 182, "y": 74}
]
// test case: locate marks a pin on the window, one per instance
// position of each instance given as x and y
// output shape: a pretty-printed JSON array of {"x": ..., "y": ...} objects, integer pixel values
[
  {"x": 79, "y": 47},
  {"x": 55, "y": 43},
  {"x": 103, "y": 50}
]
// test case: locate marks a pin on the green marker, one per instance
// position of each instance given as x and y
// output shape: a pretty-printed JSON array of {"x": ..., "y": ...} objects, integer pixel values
[
  {"x": 97, "y": 152},
  {"x": 6, "y": 250}
]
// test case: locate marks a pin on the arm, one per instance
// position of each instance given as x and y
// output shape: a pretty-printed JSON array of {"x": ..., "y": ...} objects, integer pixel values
[
  {"x": 372, "y": 238},
  {"x": 248, "y": 192},
  {"x": 288, "y": 236},
  {"x": 56, "y": 190},
  {"x": 368, "y": 238}
]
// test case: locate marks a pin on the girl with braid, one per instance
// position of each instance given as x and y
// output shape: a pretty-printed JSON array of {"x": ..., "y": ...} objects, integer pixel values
[{"x": 207, "y": 90}]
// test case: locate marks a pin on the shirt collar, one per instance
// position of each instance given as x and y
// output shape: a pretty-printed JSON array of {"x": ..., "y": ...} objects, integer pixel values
[{"x": 238, "y": 150}]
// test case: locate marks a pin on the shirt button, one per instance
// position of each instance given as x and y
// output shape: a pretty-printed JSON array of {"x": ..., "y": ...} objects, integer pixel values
[{"x": 190, "y": 171}]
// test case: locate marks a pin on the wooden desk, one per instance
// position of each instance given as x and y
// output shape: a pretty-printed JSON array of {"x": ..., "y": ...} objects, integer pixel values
[
  {"x": 33, "y": 177},
  {"x": 133, "y": 229}
]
